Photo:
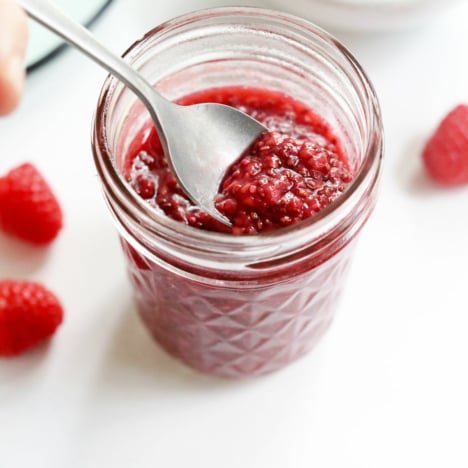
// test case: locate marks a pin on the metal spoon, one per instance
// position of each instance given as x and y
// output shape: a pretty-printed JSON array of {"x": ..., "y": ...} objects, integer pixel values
[{"x": 200, "y": 141}]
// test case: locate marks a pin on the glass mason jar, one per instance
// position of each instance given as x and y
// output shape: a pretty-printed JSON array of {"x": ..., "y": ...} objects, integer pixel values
[{"x": 241, "y": 305}]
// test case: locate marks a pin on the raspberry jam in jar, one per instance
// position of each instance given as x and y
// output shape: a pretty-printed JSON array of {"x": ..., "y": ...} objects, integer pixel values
[
  {"x": 290, "y": 173},
  {"x": 247, "y": 300}
]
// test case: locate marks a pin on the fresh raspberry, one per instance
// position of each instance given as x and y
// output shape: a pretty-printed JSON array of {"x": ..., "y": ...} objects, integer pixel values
[
  {"x": 446, "y": 153},
  {"x": 28, "y": 208},
  {"x": 29, "y": 314}
]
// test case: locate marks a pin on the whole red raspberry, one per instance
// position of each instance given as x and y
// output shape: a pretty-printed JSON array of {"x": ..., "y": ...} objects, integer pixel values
[
  {"x": 29, "y": 314},
  {"x": 28, "y": 208},
  {"x": 446, "y": 153}
]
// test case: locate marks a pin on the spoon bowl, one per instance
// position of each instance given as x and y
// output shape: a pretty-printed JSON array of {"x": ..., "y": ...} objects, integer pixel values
[
  {"x": 204, "y": 141},
  {"x": 200, "y": 142}
]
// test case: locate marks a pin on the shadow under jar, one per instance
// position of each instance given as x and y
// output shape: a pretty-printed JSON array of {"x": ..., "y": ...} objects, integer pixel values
[{"x": 243, "y": 305}]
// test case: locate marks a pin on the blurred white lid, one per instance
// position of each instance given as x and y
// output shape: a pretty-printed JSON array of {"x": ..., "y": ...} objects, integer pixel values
[{"x": 366, "y": 15}]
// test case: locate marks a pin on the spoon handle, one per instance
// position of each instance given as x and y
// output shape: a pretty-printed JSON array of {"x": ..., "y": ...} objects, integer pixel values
[{"x": 47, "y": 14}]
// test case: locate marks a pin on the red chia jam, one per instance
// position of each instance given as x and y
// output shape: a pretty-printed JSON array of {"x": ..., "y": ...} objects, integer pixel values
[
  {"x": 288, "y": 174},
  {"x": 220, "y": 324}
]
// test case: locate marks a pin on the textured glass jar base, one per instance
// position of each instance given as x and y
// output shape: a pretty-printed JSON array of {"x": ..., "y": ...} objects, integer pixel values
[{"x": 237, "y": 332}]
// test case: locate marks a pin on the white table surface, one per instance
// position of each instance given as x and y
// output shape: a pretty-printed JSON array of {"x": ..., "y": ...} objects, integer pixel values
[{"x": 387, "y": 387}]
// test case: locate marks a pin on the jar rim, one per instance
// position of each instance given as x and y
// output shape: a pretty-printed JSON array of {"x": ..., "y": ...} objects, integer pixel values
[{"x": 317, "y": 226}]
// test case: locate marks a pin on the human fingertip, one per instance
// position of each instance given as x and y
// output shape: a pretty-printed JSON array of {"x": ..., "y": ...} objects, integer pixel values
[{"x": 11, "y": 84}]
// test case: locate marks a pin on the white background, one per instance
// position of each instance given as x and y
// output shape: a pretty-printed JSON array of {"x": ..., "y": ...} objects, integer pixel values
[{"x": 387, "y": 387}]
